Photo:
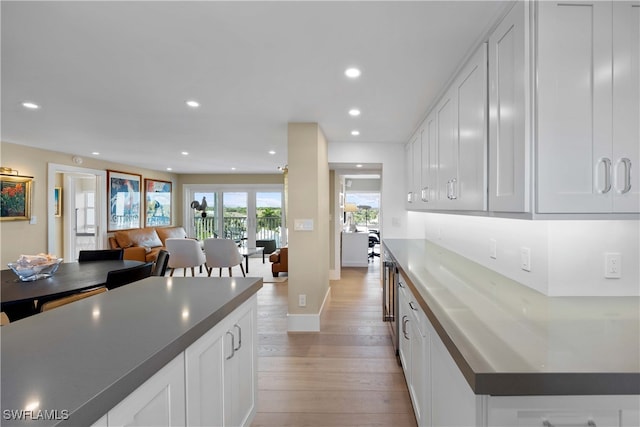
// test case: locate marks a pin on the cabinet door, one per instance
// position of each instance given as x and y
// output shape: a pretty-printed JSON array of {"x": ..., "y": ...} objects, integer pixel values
[
  {"x": 429, "y": 167},
  {"x": 626, "y": 106},
  {"x": 240, "y": 368},
  {"x": 204, "y": 361},
  {"x": 404, "y": 342},
  {"x": 160, "y": 401},
  {"x": 419, "y": 385},
  {"x": 417, "y": 170},
  {"x": 447, "y": 137},
  {"x": 408, "y": 174},
  {"x": 509, "y": 141},
  {"x": 470, "y": 190},
  {"x": 574, "y": 107}
]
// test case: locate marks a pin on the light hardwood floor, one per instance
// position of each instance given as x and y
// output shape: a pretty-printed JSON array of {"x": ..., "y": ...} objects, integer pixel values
[{"x": 345, "y": 375}]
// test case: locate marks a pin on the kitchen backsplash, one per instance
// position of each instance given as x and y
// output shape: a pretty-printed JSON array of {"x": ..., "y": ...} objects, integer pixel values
[{"x": 566, "y": 258}]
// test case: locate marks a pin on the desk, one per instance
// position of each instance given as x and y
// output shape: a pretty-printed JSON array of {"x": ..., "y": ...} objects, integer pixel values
[
  {"x": 246, "y": 252},
  {"x": 16, "y": 296}
]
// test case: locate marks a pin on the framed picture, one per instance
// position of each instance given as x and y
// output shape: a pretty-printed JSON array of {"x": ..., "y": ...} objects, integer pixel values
[
  {"x": 157, "y": 203},
  {"x": 123, "y": 190},
  {"x": 15, "y": 197},
  {"x": 57, "y": 201}
]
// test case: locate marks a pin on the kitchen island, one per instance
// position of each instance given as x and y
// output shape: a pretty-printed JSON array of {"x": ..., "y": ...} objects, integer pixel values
[
  {"x": 513, "y": 355},
  {"x": 136, "y": 352}
]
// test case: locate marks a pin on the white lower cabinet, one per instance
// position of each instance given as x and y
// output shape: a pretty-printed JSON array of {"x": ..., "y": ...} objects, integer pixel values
[
  {"x": 160, "y": 401},
  {"x": 221, "y": 369},
  {"x": 212, "y": 383}
]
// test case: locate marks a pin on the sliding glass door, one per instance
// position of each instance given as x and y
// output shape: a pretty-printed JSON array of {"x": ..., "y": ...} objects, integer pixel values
[{"x": 242, "y": 213}]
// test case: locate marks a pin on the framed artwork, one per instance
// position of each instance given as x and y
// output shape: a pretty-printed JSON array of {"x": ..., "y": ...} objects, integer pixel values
[
  {"x": 57, "y": 201},
  {"x": 15, "y": 197},
  {"x": 123, "y": 190},
  {"x": 157, "y": 203}
]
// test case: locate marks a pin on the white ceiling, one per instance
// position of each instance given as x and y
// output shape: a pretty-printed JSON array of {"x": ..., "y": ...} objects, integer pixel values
[{"x": 113, "y": 77}]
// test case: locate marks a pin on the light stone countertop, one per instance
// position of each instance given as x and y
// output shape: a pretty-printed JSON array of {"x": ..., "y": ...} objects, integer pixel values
[
  {"x": 508, "y": 339},
  {"x": 87, "y": 356}
]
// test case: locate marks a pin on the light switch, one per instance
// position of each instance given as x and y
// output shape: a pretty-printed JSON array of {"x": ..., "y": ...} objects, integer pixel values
[{"x": 303, "y": 225}]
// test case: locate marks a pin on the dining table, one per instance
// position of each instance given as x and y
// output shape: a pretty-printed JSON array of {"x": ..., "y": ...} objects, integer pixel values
[{"x": 17, "y": 298}]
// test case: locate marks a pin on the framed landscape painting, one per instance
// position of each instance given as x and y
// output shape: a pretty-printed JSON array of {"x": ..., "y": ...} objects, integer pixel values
[
  {"x": 57, "y": 201},
  {"x": 15, "y": 197},
  {"x": 123, "y": 190},
  {"x": 157, "y": 203}
]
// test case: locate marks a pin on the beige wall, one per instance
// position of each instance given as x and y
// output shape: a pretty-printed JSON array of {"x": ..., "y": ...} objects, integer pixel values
[
  {"x": 308, "y": 199},
  {"x": 20, "y": 237}
]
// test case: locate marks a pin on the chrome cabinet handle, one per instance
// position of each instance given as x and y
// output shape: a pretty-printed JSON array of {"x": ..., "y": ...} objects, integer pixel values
[
  {"x": 589, "y": 423},
  {"x": 405, "y": 320},
  {"x": 239, "y": 337},
  {"x": 233, "y": 350},
  {"x": 454, "y": 189},
  {"x": 607, "y": 174},
  {"x": 425, "y": 194},
  {"x": 627, "y": 175},
  {"x": 413, "y": 307},
  {"x": 400, "y": 284},
  {"x": 410, "y": 197}
]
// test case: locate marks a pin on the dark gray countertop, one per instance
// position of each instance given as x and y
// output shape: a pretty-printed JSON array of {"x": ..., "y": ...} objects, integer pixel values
[
  {"x": 87, "y": 356},
  {"x": 508, "y": 339}
]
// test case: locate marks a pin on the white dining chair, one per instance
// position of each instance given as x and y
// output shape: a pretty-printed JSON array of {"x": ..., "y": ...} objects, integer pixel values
[
  {"x": 184, "y": 253},
  {"x": 222, "y": 253}
]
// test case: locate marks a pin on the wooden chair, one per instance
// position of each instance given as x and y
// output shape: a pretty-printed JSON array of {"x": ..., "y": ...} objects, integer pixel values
[
  {"x": 222, "y": 253},
  {"x": 124, "y": 276},
  {"x": 4, "y": 319},
  {"x": 184, "y": 253},
  {"x": 162, "y": 262},
  {"x": 49, "y": 305},
  {"x": 100, "y": 255}
]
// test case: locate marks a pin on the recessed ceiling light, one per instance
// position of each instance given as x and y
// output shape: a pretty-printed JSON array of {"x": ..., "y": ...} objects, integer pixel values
[
  {"x": 95, "y": 153},
  {"x": 358, "y": 166},
  {"x": 355, "y": 132},
  {"x": 193, "y": 104},
  {"x": 352, "y": 72},
  {"x": 185, "y": 153},
  {"x": 30, "y": 105},
  {"x": 272, "y": 152},
  {"x": 354, "y": 112},
  {"x": 233, "y": 169},
  {"x": 169, "y": 169}
]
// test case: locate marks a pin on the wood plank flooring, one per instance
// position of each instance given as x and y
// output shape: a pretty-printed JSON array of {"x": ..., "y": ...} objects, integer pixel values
[{"x": 345, "y": 375}]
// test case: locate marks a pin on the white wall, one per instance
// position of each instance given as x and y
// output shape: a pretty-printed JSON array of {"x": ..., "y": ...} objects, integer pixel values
[{"x": 567, "y": 257}]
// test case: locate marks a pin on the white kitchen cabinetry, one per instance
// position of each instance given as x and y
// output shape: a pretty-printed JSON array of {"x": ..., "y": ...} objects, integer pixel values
[
  {"x": 160, "y": 401},
  {"x": 220, "y": 372},
  {"x": 429, "y": 167},
  {"x": 559, "y": 411},
  {"x": 509, "y": 112},
  {"x": 587, "y": 75},
  {"x": 412, "y": 171},
  {"x": 414, "y": 354}
]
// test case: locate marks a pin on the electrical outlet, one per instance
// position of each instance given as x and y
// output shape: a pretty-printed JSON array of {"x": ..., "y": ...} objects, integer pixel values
[
  {"x": 493, "y": 248},
  {"x": 302, "y": 300},
  {"x": 525, "y": 259},
  {"x": 612, "y": 265}
]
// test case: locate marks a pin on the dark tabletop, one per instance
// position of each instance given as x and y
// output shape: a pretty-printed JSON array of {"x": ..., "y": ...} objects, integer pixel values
[{"x": 71, "y": 277}]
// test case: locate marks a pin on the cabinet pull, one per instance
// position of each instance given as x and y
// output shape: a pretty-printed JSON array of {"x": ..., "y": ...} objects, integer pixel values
[
  {"x": 425, "y": 194},
  {"x": 454, "y": 189},
  {"x": 413, "y": 307},
  {"x": 233, "y": 350},
  {"x": 627, "y": 175},
  {"x": 404, "y": 326},
  {"x": 589, "y": 423},
  {"x": 410, "y": 197},
  {"x": 400, "y": 284},
  {"x": 239, "y": 337},
  {"x": 607, "y": 174}
]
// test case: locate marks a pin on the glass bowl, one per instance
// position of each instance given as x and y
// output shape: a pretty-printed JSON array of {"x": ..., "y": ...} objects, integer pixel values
[{"x": 34, "y": 272}]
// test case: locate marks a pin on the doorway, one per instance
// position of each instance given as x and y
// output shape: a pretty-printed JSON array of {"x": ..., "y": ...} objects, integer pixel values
[{"x": 79, "y": 223}]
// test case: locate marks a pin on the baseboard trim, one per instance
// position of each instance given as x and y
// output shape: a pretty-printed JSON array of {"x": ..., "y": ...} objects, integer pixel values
[
  {"x": 334, "y": 274},
  {"x": 307, "y": 322}
]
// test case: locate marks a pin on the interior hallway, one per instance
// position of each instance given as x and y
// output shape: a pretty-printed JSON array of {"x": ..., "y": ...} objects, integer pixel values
[{"x": 345, "y": 375}]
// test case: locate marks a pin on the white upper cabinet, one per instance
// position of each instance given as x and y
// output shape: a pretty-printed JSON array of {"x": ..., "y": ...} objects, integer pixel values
[
  {"x": 626, "y": 106},
  {"x": 509, "y": 142},
  {"x": 587, "y": 107},
  {"x": 429, "y": 166}
]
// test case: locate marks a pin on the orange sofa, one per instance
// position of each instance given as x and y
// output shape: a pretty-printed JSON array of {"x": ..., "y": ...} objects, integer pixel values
[
  {"x": 280, "y": 261},
  {"x": 143, "y": 244}
]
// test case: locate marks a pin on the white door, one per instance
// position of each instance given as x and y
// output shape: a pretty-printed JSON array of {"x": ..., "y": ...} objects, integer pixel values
[
  {"x": 80, "y": 215},
  {"x": 447, "y": 134},
  {"x": 626, "y": 106},
  {"x": 574, "y": 107}
]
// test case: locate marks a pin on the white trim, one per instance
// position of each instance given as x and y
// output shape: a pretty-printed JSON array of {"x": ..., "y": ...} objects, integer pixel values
[
  {"x": 306, "y": 322},
  {"x": 334, "y": 274}
]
